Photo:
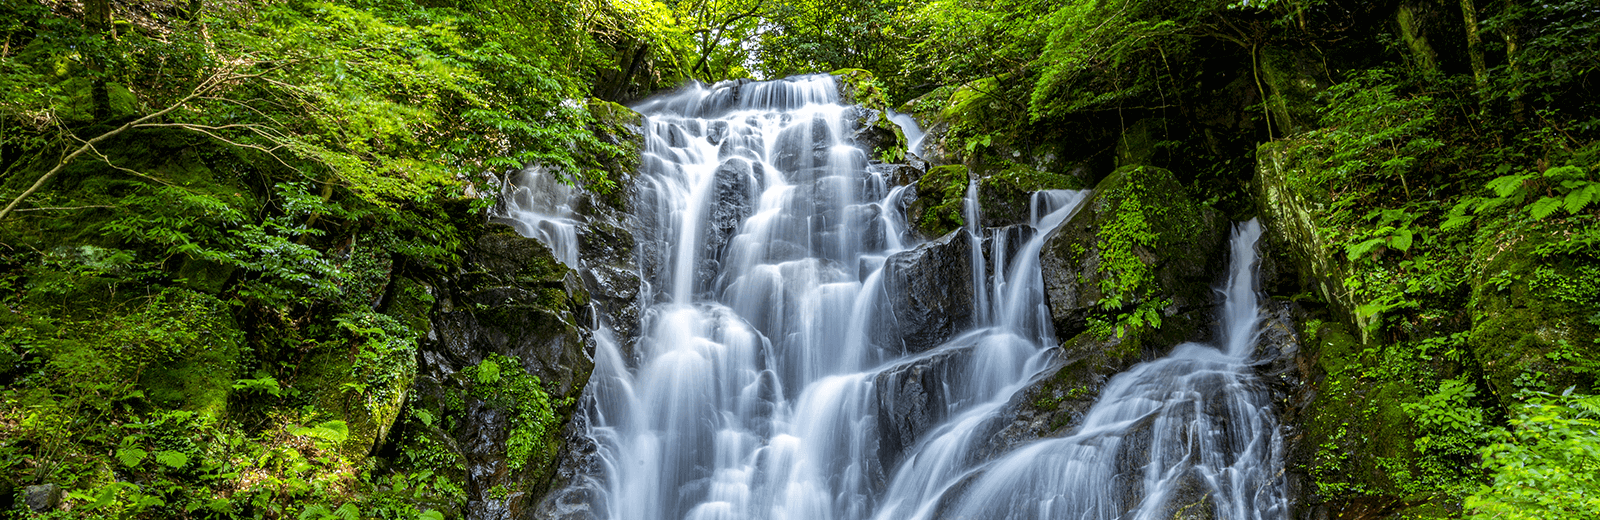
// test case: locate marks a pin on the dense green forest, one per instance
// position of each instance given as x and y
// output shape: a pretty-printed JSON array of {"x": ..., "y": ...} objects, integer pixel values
[{"x": 225, "y": 222}]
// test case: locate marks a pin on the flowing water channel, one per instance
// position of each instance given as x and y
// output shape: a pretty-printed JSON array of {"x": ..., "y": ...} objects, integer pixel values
[{"x": 756, "y": 388}]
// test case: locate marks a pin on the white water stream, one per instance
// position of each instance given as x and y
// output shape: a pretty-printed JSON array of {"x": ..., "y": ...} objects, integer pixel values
[{"x": 751, "y": 391}]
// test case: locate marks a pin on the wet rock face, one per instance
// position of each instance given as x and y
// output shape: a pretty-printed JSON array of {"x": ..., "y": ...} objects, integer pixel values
[
  {"x": 803, "y": 147},
  {"x": 1141, "y": 236},
  {"x": 930, "y": 291},
  {"x": 911, "y": 399},
  {"x": 582, "y": 495},
  {"x": 876, "y": 134},
  {"x": 511, "y": 298},
  {"x": 733, "y": 199}
]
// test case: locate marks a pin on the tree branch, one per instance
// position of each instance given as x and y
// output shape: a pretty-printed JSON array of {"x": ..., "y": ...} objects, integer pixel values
[{"x": 199, "y": 90}]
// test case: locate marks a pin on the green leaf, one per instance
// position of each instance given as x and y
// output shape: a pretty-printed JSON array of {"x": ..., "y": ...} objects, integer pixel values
[
  {"x": 331, "y": 431},
  {"x": 131, "y": 457},
  {"x": 1507, "y": 185},
  {"x": 1544, "y": 207},
  {"x": 107, "y": 495},
  {"x": 1578, "y": 199},
  {"x": 488, "y": 372},
  {"x": 1401, "y": 240},
  {"x": 315, "y": 512},
  {"x": 431, "y": 514},
  {"x": 174, "y": 459},
  {"x": 1564, "y": 172},
  {"x": 348, "y": 511},
  {"x": 1361, "y": 249},
  {"x": 424, "y": 416},
  {"x": 1455, "y": 222}
]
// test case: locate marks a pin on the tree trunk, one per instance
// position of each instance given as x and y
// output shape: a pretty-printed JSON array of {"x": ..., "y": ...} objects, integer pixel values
[
  {"x": 1410, "y": 19},
  {"x": 1480, "y": 73},
  {"x": 1509, "y": 33},
  {"x": 97, "y": 18},
  {"x": 627, "y": 75}
]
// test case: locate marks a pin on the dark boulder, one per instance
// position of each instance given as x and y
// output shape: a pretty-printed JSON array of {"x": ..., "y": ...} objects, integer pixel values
[
  {"x": 804, "y": 146},
  {"x": 930, "y": 291},
  {"x": 910, "y": 399},
  {"x": 733, "y": 199},
  {"x": 1140, "y": 240},
  {"x": 42, "y": 498}
]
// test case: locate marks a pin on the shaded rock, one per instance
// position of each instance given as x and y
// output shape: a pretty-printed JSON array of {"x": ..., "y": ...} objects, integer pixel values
[
  {"x": 935, "y": 202},
  {"x": 880, "y": 137},
  {"x": 1005, "y": 191},
  {"x": 803, "y": 146},
  {"x": 1140, "y": 239},
  {"x": 511, "y": 298},
  {"x": 911, "y": 399},
  {"x": 582, "y": 497},
  {"x": 1191, "y": 500},
  {"x": 930, "y": 291},
  {"x": 733, "y": 198},
  {"x": 42, "y": 498}
]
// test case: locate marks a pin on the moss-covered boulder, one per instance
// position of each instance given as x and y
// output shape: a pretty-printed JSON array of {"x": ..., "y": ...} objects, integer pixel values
[
  {"x": 200, "y": 377},
  {"x": 1535, "y": 307},
  {"x": 881, "y": 137},
  {"x": 1140, "y": 249},
  {"x": 506, "y": 366},
  {"x": 365, "y": 380},
  {"x": 1291, "y": 209},
  {"x": 940, "y": 195},
  {"x": 1005, "y": 192}
]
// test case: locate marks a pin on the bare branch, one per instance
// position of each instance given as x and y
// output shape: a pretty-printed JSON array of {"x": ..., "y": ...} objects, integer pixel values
[{"x": 214, "y": 81}]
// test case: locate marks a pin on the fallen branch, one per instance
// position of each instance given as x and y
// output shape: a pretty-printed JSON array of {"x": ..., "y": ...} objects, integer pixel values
[{"x": 88, "y": 146}]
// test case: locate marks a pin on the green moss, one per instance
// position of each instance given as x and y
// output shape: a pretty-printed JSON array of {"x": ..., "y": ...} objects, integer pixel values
[
  {"x": 1534, "y": 309},
  {"x": 939, "y": 203},
  {"x": 1148, "y": 213},
  {"x": 534, "y": 439}
]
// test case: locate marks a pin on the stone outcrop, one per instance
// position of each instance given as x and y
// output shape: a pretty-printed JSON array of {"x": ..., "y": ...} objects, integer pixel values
[
  {"x": 910, "y": 399},
  {"x": 1139, "y": 240},
  {"x": 930, "y": 291},
  {"x": 511, "y": 300}
]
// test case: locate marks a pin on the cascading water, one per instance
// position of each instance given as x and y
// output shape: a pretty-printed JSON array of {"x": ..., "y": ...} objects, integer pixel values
[{"x": 756, "y": 388}]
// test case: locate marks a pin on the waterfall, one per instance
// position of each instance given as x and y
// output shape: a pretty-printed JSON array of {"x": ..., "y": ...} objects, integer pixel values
[{"x": 762, "y": 383}]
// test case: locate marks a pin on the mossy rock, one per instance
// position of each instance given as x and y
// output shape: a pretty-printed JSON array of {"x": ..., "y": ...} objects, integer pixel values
[
  {"x": 364, "y": 380},
  {"x": 881, "y": 137},
  {"x": 937, "y": 211},
  {"x": 202, "y": 378},
  {"x": 1139, "y": 242},
  {"x": 1292, "y": 209},
  {"x": 411, "y": 303},
  {"x": 1535, "y": 316},
  {"x": 510, "y": 299},
  {"x": 1005, "y": 193},
  {"x": 1359, "y": 444}
]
